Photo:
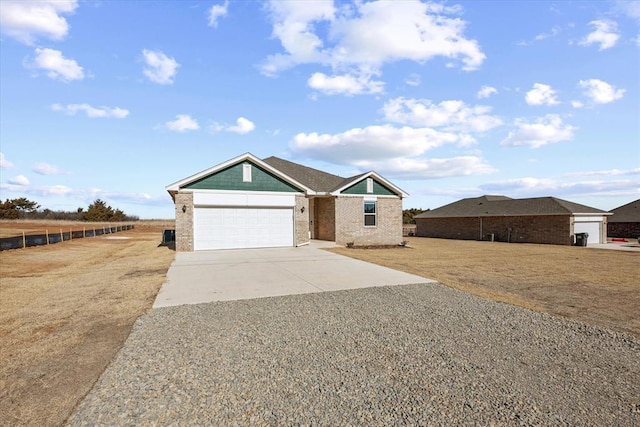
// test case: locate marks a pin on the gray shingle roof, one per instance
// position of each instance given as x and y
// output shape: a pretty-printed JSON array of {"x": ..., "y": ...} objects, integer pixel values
[
  {"x": 486, "y": 206},
  {"x": 312, "y": 178},
  {"x": 626, "y": 213}
]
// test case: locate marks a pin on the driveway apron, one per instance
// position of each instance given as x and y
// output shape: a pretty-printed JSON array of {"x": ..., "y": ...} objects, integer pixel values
[{"x": 226, "y": 275}]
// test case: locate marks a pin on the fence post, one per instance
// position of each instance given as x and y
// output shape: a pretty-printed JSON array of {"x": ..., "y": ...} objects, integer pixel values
[
  {"x": 24, "y": 241},
  {"x": 70, "y": 234},
  {"x": 84, "y": 232},
  {"x": 46, "y": 232},
  {"x": 61, "y": 236}
]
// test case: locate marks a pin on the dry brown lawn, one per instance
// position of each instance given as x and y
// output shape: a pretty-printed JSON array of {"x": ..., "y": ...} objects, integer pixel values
[
  {"x": 596, "y": 286},
  {"x": 65, "y": 310}
]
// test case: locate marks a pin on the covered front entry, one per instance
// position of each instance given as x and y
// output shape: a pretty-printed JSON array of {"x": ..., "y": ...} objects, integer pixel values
[{"x": 242, "y": 227}]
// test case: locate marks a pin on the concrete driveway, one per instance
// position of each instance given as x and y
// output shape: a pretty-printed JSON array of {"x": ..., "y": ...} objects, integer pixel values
[{"x": 225, "y": 275}]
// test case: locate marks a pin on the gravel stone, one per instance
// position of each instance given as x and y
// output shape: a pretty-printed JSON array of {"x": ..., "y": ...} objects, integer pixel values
[{"x": 419, "y": 354}]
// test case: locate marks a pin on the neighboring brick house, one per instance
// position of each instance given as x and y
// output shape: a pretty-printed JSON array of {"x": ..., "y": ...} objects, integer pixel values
[
  {"x": 247, "y": 202},
  {"x": 534, "y": 220},
  {"x": 625, "y": 221}
]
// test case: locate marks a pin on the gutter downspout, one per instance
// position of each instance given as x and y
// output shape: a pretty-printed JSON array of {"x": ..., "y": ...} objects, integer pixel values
[{"x": 480, "y": 228}]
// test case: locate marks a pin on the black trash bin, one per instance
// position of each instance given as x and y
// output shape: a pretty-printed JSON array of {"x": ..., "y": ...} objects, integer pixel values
[{"x": 581, "y": 239}]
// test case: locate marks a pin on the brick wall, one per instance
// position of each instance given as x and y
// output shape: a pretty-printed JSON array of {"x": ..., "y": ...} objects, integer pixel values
[
  {"x": 350, "y": 222},
  {"x": 325, "y": 218},
  {"x": 301, "y": 220},
  {"x": 552, "y": 229},
  {"x": 624, "y": 229},
  {"x": 184, "y": 222}
]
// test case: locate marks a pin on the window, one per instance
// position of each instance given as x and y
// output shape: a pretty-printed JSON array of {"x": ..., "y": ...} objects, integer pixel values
[
  {"x": 370, "y": 214},
  {"x": 369, "y": 185},
  {"x": 246, "y": 173}
]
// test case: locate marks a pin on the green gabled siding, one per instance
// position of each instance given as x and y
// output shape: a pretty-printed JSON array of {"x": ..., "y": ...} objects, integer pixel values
[
  {"x": 361, "y": 188},
  {"x": 231, "y": 179}
]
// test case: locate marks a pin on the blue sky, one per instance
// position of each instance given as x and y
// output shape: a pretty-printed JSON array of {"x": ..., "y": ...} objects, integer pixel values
[{"x": 115, "y": 99}]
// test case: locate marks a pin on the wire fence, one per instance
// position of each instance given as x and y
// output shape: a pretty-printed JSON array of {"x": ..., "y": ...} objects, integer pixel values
[{"x": 28, "y": 239}]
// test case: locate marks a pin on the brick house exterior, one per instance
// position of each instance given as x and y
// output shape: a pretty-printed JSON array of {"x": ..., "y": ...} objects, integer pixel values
[
  {"x": 625, "y": 221},
  {"x": 546, "y": 220},
  {"x": 249, "y": 202}
]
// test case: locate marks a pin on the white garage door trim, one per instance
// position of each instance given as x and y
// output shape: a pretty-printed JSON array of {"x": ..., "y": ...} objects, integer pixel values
[
  {"x": 593, "y": 228},
  {"x": 242, "y": 227}
]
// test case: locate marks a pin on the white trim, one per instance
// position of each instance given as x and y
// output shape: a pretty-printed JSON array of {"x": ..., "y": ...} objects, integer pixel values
[
  {"x": 369, "y": 185},
  {"x": 365, "y": 196},
  {"x": 246, "y": 172},
  {"x": 200, "y": 190},
  {"x": 373, "y": 174},
  {"x": 247, "y": 156},
  {"x": 593, "y": 218},
  {"x": 243, "y": 200}
]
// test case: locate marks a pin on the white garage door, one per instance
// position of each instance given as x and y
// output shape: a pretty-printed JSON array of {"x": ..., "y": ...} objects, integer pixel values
[
  {"x": 234, "y": 228},
  {"x": 593, "y": 228}
]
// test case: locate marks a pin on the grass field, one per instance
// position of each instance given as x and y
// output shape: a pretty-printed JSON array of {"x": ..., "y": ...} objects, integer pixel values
[{"x": 65, "y": 310}]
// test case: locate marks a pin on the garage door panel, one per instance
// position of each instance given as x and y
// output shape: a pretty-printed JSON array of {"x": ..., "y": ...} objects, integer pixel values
[
  {"x": 593, "y": 228},
  {"x": 233, "y": 228}
]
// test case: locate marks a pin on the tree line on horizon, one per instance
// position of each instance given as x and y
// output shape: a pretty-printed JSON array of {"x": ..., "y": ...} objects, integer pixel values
[{"x": 98, "y": 211}]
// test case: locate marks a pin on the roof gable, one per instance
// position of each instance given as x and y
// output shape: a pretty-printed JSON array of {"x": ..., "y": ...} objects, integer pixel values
[
  {"x": 360, "y": 187},
  {"x": 487, "y": 206},
  {"x": 266, "y": 173},
  {"x": 231, "y": 178}
]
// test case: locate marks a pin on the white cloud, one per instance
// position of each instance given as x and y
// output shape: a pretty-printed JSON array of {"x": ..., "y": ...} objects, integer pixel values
[
  {"x": 52, "y": 190},
  {"x": 428, "y": 168},
  {"x": 486, "y": 92},
  {"x": 605, "y": 34},
  {"x": 543, "y": 131},
  {"x": 159, "y": 67},
  {"x": 19, "y": 180},
  {"x": 413, "y": 80},
  {"x": 344, "y": 84},
  {"x": 451, "y": 115},
  {"x": 47, "y": 169},
  {"x": 56, "y": 66},
  {"x": 541, "y": 94},
  {"x": 628, "y": 8},
  {"x": 362, "y": 37},
  {"x": 182, "y": 123},
  {"x": 241, "y": 127},
  {"x": 609, "y": 172},
  {"x": 92, "y": 112},
  {"x": 217, "y": 11},
  {"x": 26, "y": 21},
  {"x": 4, "y": 163},
  {"x": 552, "y": 33},
  {"x": 577, "y": 104},
  {"x": 530, "y": 187},
  {"x": 372, "y": 143},
  {"x": 600, "y": 92}
]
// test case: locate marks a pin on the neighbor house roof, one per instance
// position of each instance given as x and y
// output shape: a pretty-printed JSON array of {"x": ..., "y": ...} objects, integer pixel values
[
  {"x": 486, "y": 206},
  {"x": 626, "y": 213}
]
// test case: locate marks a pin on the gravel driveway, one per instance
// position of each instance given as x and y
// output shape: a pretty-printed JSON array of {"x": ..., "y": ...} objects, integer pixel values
[{"x": 400, "y": 355}]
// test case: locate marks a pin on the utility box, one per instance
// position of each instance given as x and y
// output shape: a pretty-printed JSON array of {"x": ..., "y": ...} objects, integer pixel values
[
  {"x": 168, "y": 236},
  {"x": 581, "y": 239}
]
